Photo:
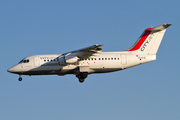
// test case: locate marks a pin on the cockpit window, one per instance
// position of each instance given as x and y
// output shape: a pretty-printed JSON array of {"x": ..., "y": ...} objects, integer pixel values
[
  {"x": 24, "y": 61},
  {"x": 21, "y": 61}
]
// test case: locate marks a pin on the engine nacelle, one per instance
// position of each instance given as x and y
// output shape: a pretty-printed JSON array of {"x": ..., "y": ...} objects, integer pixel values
[
  {"x": 71, "y": 59},
  {"x": 64, "y": 60}
]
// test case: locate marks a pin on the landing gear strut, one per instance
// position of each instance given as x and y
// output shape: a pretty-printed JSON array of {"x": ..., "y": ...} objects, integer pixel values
[
  {"x": 81, "y": 76},
  {"x": 20, "y": 78}
]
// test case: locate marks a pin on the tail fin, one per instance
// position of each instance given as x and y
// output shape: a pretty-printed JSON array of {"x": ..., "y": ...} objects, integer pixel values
[{"x": 149, "y": 41}]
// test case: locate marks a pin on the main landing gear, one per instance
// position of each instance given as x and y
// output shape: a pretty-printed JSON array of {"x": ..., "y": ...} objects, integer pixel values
[
  {"x": 81, "y": 76},
  {"x": 20, "y": 78}
]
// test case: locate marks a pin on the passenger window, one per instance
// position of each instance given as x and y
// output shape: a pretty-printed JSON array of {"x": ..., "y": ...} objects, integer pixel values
[
  {"x": 118, "y": 58},
  {"x": 91, "y": 58},
  {"x": 108, "y": 58},
  {"x": 111, "y": 58},
  {"x": 94, "y": 58},
  {"x": 102, "y": 58},
  {"x": 114, "y": 58},
  {"x": 44, "y": 60},
  {"x": 27, "y": 60},
  {"x": 99, "y": 58},
  {"x": 105, "y": 58}
]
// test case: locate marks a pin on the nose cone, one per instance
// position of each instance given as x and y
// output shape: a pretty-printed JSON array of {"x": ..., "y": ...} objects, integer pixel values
[
  {"x": 11, "y": 70},
  {"x": 15, "y": 69}
]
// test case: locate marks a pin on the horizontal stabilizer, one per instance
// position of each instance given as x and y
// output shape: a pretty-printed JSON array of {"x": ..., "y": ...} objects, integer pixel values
[{"x": 159, "y": 28}]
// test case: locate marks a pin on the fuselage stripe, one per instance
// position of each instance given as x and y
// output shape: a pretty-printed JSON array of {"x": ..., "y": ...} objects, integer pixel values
[{"x": 140, "y": 41}]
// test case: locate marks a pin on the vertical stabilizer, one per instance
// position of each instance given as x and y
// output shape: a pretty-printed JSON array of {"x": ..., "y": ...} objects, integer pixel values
[{"x": 149, "y": 41}]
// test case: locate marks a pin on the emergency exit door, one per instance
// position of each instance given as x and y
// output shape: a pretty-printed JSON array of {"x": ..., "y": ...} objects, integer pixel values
[{"x": 123, "y": 59}]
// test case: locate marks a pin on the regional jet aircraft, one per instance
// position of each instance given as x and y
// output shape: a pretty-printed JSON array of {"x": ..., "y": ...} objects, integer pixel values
[{"x": 91, "y": 60}]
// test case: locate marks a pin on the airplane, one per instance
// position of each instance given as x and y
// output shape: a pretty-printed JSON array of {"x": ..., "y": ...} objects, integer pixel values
[{"x": 91, "y": 59}]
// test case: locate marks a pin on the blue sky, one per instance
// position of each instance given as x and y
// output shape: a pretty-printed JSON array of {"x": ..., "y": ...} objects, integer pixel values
[{"x": 149, "y": 91}]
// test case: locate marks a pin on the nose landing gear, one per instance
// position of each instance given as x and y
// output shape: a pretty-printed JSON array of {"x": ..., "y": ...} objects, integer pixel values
[{"x": 20, "y": 78}]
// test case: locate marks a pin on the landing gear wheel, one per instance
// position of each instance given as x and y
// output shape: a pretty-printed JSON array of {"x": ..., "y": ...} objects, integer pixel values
[
  {"x": 84, "y": 75},
  {"x": 81, "y": 80},
  {"x": 20, "y": 79}
]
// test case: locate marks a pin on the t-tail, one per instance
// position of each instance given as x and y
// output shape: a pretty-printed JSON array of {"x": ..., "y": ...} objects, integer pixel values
[{"x": 149, "y": 41}]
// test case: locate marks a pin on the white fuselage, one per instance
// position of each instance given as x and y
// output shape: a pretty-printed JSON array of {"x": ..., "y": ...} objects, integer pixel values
[{"x": 101, "y": 63}]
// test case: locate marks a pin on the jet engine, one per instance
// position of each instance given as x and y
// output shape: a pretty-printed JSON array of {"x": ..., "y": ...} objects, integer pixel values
[{"x": 64, "y": 60}]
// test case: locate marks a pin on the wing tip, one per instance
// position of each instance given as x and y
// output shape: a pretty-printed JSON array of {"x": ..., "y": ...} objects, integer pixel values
[{"x": 98, "y": 45}]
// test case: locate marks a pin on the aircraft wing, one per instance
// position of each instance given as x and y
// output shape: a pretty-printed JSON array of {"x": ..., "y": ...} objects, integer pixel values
[{"x": 86, "y": 52}]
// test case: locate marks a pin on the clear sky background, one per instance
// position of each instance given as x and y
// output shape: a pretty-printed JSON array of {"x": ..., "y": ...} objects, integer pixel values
[{"x": 147, "y": 92}]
